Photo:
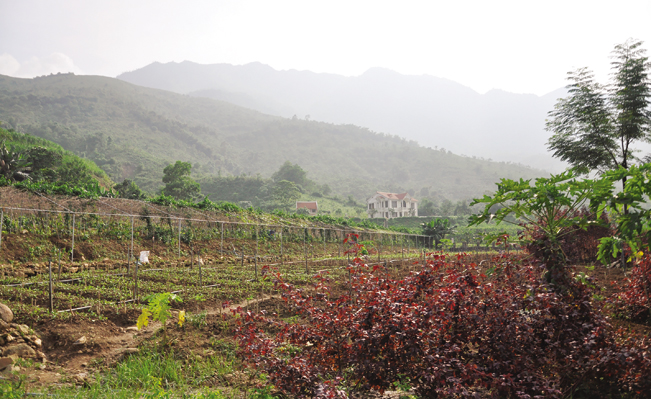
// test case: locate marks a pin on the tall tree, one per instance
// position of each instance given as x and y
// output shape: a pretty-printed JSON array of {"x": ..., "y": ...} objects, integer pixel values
[
  {"x": 595, "y": 127},
  {"x": 286, "y": 193},
  {"x": 291, "y": 172},
  {"x": 178, "y": 182}
]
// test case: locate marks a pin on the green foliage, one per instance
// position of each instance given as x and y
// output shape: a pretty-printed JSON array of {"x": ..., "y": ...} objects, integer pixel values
[
  {"x": 286, "y": 193},
  {"x": 550, "y": 204},
  {"x": 594, "y": 128},
  {"x": 634, "y": 225},
  {"x": 13, "y": 165},
  {"x": 437, "y": 229},
  {"x": 178, "y": 183},
  {"x": 158, "y": 309},
  {"x": 130, "y": 190},
  {"x": 291, "y": 172}
]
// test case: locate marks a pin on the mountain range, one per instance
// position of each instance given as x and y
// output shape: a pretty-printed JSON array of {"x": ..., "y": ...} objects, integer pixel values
[
  {"x": 133, "y": 132},
  {"x": 434, "y": 112}
]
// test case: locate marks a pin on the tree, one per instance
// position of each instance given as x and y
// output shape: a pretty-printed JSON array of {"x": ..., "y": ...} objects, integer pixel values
[
  {"x": 291, "y": 172},
  {"x": 178, "y": 182},
  {"x": 286, "y": 193},
  {"x": 437, "y": 229},
  {"x": 595, "y": 127},
  {"x": 129, "y": 189},
  {"x": 44, "y": 162}
]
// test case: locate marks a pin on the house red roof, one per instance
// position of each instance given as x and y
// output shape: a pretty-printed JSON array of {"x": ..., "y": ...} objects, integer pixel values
[
  {"x": 307, "y": 205},
  {"x": 395, "y": 196}
]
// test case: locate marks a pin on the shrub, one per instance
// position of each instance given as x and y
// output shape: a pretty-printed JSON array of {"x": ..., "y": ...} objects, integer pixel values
[
  {"x": 451, "y": 331},
  {"x": 633, "y": 301},
  {"x": 580, "y": 246}
]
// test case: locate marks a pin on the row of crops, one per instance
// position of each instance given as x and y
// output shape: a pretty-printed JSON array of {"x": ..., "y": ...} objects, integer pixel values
[{"x": 89, "y": 261}]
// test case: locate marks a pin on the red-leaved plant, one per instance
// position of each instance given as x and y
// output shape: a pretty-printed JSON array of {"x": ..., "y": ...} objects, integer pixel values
[
  {"x": 449, "y": 331},
  {"x": 634, "y": 301}
]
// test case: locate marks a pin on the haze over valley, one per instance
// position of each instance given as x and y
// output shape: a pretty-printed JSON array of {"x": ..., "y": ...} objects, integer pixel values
[{"x": 435, "y": 112}]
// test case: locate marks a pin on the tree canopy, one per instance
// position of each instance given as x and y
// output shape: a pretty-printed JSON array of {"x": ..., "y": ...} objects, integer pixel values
[
  {"x": 178, "y": 182},
  {"x": 595, "y": 127}
]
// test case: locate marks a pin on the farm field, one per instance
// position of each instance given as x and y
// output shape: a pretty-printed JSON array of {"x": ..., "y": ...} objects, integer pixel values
[{"x": 218, "y": 286}]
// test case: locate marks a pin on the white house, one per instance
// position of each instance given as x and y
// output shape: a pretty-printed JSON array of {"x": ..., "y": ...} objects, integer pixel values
[{"x": 391, "y": 205}]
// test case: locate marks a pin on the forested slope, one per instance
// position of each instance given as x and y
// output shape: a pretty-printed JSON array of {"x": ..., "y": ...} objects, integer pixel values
[{"x": 133, "y": 132}]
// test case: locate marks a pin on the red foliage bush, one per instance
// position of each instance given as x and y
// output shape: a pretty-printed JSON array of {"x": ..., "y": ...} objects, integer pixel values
[
  {"x": 633, "y": 301},
  {"x": 451, "y": 332},
  {"x": 579, "y": 246}
]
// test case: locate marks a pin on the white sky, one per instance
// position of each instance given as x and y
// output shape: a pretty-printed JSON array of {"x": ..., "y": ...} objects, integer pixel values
[{"x": 518, "y": 46}]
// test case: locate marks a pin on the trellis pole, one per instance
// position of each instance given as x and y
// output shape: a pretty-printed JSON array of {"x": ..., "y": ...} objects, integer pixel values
[
  {"x": 2, "y": 223},
  {"x": 179, "y": 242},
  {"x": 307, "y": 270},
  {"x": 257, "y": 241},
  {"x": 51, "y": 301},
  {"x": 132, "y": 236},
  {"x": 72, "y": 252},
  {"x": 282, "y": 257},
  {"x": 221, "y": 246}
]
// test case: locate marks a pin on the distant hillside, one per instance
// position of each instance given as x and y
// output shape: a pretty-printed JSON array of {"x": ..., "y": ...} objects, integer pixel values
[
  {"x": 133, "y": 132},
  {"x": 435, "y": 112}
]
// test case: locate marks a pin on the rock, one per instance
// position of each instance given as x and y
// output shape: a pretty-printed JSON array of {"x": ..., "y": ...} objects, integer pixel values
[
  {"x": 36, "y": 341},
  {"x": 20, "y": 350},
  {"x": 23, "y": 329},
  {"x": 24, "y": 231},
  {"x": 2, "y": 341},
  {"x": 130, "y": 350},
  {"x": 9, "y": 338},
  {"x": 41, "y": 356},
  {"x": 4, "y": 326},
  {"x": 135, "y": 329},
  {"x": 11, "y": 368},
  {"x": 5, "y": 313},
  {"x": 5, "y": 361},
  {"x": 80, "y": 341}
]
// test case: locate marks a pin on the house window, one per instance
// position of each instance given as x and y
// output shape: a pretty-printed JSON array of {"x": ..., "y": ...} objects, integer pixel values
[
  {"x": 400, "y": 214},
  {"x": 404, "y": 204},
  {"x": 371, "y": 206},
  {"x": 394, "y": 204},
  {"x": 413, "y": 205},
  {"x": 386, "y": 204}
]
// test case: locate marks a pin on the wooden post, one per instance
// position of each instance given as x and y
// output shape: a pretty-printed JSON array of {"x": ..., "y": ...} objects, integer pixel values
[
  {"x": 179, "y": 256},
  {"x": 59, "y": 274},
  {"x": 307, "y": 270},
  {"x": 200, "y": 273},
  {"x": 221, "y": 247},
  {"x": 50, "y": 286},
  {"x": 72, "y": 252},
  {"x": 325, "y": 253},
  {"x": 2, "y": 222},
  {"x": 282, "y": 258},
  {"x": 257, "y": 241},
  {"x": 132, "y": 237},
  {"x": 135, "y": 283}
]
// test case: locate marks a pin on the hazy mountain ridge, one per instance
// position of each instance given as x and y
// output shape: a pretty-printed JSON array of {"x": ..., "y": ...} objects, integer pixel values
[
  {"x": 436, "y": 112},
  {"x": 133, "y": 132}
]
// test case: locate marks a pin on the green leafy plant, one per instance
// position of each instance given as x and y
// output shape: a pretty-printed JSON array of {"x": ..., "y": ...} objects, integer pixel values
[
  {"x": 550, "y": 205},
  {"x": 158, "y": 309}
]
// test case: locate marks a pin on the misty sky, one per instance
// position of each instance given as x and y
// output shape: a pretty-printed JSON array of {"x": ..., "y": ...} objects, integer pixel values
[{"x": 518, "y": 46}]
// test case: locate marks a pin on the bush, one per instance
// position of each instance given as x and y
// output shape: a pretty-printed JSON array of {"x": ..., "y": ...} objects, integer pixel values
[
  {"x": 633, "y": 301},
  {"x": 580, "y": 246},
  {"x": 451, "y": 332}
]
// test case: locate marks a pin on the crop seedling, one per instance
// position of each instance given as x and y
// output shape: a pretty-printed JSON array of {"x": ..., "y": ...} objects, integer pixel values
[{"x": 158, "y": 309}]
